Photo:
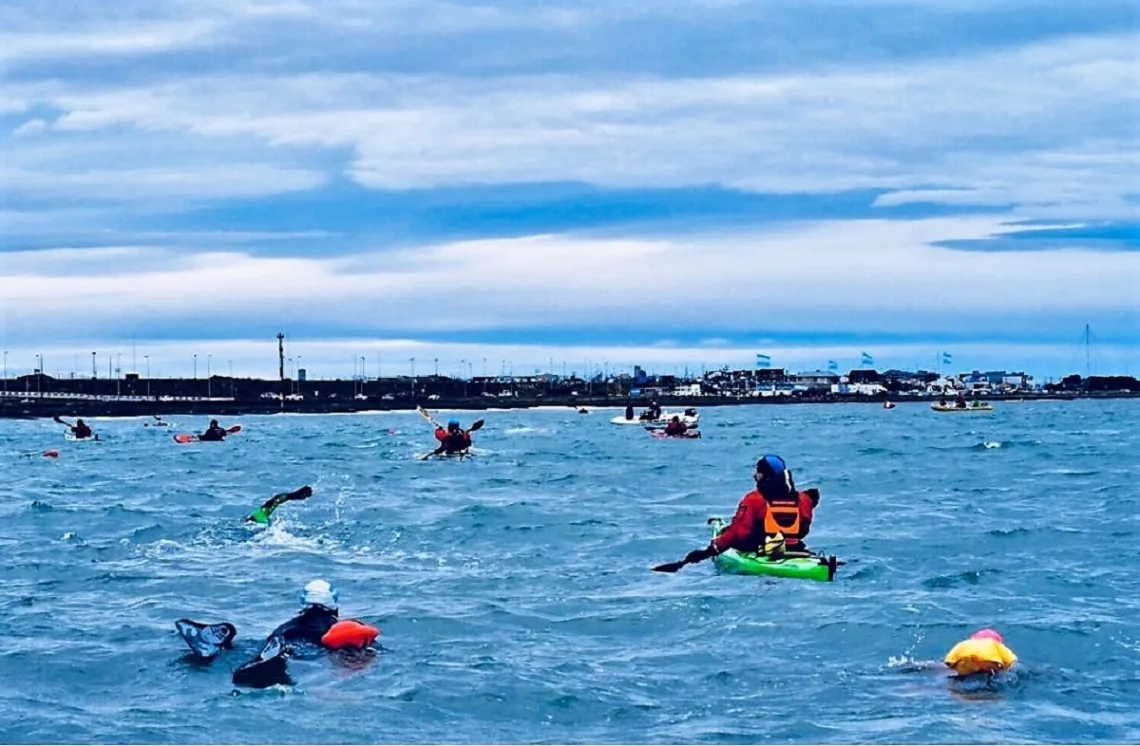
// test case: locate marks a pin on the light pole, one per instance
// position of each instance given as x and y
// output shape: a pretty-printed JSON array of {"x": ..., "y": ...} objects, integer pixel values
[
  {"x": 40, "y": 375},
  {"x": 412, "y": 360},
  {"x": 147, "y": 358},
  {"x": 209, "y": 383},
  {"x": 232, "y": 380},
  {"x": 195, "y": 365},
  {"x": 437, "y": 367},
  {"x": 5, "y": 371}
]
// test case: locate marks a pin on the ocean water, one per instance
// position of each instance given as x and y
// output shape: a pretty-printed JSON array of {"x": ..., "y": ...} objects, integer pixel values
[{"x": 513, "y": 590}]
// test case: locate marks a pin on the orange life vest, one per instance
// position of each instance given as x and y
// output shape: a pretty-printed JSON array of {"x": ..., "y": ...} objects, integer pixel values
[{"x": 783, "y": 517}]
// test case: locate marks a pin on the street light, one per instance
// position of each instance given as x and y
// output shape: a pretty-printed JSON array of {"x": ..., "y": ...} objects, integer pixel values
[
  {"x": 195, "y": 365},
  {"x": 412, "y": 360},
  {"x": 209, "y": 383},
  {"x": 5, "y": 371},
  {"x": 147, "y": 358}
]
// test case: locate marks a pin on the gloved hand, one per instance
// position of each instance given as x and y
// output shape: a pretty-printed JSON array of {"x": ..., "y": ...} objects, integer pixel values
[{"x": 700, "y": 555}]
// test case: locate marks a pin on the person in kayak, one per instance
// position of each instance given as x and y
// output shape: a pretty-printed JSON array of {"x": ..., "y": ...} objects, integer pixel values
[
  {"x": 773, "y": 518},
  {"x": 452, "y": 440},
  {"x": 676, "y": 428},
  {"x": 81, "y": 430},
  {"x": 960, "y": 401},
  {"x": 213, "y": 433}
]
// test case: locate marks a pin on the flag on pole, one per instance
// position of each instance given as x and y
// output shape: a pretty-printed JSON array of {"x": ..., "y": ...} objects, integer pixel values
[
  {"x": 763, "y": 361},
  {"x": 946, "y": 358},
  {"x": 832, "y": 365},
  {"x": 868, "y": 360}
]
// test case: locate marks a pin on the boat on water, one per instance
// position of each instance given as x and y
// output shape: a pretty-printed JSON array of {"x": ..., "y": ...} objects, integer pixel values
[
  {"x": 690, "y": 417},
  {"x": 975, "y": 407}
]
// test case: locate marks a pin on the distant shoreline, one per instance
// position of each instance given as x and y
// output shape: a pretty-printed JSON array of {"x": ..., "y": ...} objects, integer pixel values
[{"x": 36, "y": 408}]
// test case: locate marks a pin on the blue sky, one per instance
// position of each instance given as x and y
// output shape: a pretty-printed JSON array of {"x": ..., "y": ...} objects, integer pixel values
[{"x": 604, "y": 184}]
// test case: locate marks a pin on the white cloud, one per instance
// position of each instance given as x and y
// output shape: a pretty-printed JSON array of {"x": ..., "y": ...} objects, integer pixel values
[
  {"x": 1037, "y": 126},
  {"x": 858, "y": 276}
]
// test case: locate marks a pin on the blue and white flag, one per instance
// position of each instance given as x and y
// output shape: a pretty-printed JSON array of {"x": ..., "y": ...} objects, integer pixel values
[
  {"x": 832, "y": 365},
  {"x": 868, "y": 360},
  {"x": 946, "y": 358},
  {"x": 763, "y": 361}
]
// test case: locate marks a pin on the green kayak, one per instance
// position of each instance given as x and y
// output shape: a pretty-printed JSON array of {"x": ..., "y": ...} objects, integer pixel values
[{"x": 793, "y": 565}]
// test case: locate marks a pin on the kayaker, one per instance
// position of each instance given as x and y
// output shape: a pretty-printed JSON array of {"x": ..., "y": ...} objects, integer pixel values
[
  {"x": 452, "y": 440},
  {"x": 80, "y": 429},
  {"x": 676, "y": 427},
  {"x": 629, "y": 411},
  {"x": 213, "y": 433},
  {"x": 960, "y": 401},
  {"x": 774, "y": 509}
]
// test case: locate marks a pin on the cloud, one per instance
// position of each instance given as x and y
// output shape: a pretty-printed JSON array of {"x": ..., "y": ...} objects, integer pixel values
[
  {"x": 128, "y": 133},
  {"x": 814, "y": 277}
]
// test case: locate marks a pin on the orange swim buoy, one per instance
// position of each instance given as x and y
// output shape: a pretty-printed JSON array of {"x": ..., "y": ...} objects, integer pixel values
[
  {"x": 51, "y": 454},
  {"x": 349, "y": 634}
]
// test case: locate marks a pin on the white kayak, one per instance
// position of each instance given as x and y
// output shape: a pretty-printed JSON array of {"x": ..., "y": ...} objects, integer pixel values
[
  {"x": 971, "y": 408},
  {"x": 666, "y": 417}
]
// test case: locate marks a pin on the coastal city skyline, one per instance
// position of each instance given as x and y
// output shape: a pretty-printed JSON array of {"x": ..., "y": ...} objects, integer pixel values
[{"x": 334, "y": 359}]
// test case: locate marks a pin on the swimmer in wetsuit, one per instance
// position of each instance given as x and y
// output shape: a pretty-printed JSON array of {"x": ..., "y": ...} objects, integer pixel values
[{"x": 318, "y": 614}]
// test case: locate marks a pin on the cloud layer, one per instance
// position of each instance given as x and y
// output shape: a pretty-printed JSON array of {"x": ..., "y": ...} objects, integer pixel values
[{"x": 136, "y": 139}]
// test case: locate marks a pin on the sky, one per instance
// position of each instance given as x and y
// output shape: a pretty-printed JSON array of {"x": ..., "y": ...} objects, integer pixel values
[{"x": 568, "y": 185}]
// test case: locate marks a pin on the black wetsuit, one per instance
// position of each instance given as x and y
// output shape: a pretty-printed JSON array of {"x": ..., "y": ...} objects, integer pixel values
[
  {"x": 213, "y": 434},
  {"x": 268, "y": 668}
]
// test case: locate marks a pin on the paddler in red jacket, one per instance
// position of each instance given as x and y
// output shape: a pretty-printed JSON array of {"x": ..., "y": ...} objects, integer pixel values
[
  {"x": 774, "y": 508},
  {"x": 675, "y": 427},
  {"x": 452, "y": 440}
]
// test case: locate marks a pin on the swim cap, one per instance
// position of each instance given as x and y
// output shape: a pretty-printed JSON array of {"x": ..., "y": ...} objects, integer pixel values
[
  {"x": 987, "y": 634},
  {"x": 454, "y": 421},
  {"x": 319, "y": 593}
]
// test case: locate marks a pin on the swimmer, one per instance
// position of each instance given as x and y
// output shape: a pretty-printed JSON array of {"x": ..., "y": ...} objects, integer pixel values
[
  {"x": 317, "y": 625},
  {"x": 984, "y": 652},
  {"x": 261, "y": 515}
]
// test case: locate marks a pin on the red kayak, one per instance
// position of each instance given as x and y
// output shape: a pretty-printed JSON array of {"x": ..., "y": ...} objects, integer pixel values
[{"x": 191, "y": 438}]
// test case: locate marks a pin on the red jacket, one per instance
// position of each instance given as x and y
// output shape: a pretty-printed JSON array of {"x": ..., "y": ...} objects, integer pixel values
[
  {"x": 748, "y": 529},
  {"x": 455, "y": 441},
  {"x": 676, "y": 428}
]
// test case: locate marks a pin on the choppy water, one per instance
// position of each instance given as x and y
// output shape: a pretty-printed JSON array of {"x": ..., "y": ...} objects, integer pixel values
[{"x": 513, "y": 590}]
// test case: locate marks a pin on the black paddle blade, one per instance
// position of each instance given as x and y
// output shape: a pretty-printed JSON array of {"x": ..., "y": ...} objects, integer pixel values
[
  {"x": 477, "y": 425},
  {"x": 670, "y": 566},
  {"x": 267, "y": 669},
  {"x": 206, "y": 640}
]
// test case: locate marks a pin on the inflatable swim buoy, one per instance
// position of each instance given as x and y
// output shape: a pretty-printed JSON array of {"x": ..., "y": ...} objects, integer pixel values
[
  {"x": 51, "y": 453},
  {"x": 349, "y": 634},
  {"x": 984, "y": 652}
]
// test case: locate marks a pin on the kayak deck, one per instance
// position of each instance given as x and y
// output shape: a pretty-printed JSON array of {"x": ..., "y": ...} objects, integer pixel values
[{"x": 801, "y": 566}]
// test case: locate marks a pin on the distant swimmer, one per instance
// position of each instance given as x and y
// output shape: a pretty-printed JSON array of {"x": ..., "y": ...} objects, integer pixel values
[
  {"x": 262, "y": 514},
  {"x": 984, "y": 652},
  {"x": 80, "y": 430},
  {"x": 317, "y": 626},
  {"x": 158, "y": 422}
]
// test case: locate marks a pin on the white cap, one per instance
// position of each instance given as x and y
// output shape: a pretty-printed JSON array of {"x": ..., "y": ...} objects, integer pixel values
[{"x": 319, "y": 592}]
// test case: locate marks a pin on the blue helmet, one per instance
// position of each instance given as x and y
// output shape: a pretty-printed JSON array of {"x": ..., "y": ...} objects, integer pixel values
[
  {"x": 453, "y": 422},
  {"x": 771, "y": 466}
]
